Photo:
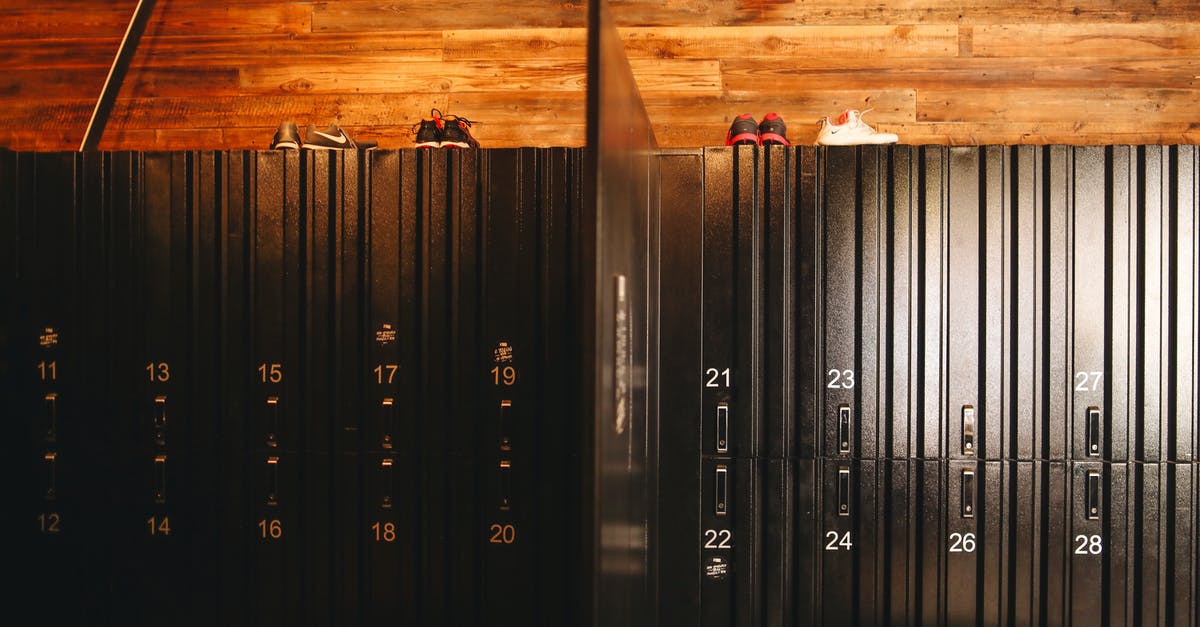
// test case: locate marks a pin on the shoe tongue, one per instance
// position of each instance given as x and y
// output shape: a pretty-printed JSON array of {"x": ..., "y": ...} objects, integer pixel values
[
  {"x": 844, "y": 117},
  {"x": 771, "y": 116}
]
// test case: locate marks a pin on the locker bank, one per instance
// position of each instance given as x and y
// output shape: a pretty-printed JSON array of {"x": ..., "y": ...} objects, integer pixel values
[{"x": 612, "y": 381}]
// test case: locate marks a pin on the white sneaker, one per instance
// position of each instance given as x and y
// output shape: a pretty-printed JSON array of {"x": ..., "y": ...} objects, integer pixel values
[{"x": 848, "y": 129}]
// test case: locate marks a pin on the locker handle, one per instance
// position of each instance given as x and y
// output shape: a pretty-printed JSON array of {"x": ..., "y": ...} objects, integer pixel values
[
  {"x": 388, "y": 408},
  {"x": 722, "y": 427},
  {"x": 968, "y": 430},
  {"x": 722, "y": 490},
  {"x": 505, "y": 484},
  {"x": 1093, "y": 431},
  {"x": 843, "y": 491},
  {"x": 272, "y": 421},
  {"x": 272, "y": 481},
  {"x": 51, "y": 416},
  {"x": 844, "y": 417},
  {"x": 505, "y": 425},
  {"x": 160, "y": 479},
  {"x": 1092, "y": 495},
  {"x": 51, "y": 461},
  {"x": 160, "y": 420},
  {"x": 968, "y": 493},
  {"x": 387, "y": 482}
]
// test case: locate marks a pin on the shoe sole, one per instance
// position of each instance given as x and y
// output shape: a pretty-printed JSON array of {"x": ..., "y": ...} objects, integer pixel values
[
  {"x": 743, "y": 139},
  {"x": 773, "y": 139},
  {"x": 455, "y": 145},
  {"x": 429, "y": 144},
  {"x": 286, "y": 146},
  {"x": 858, "y": 142}
]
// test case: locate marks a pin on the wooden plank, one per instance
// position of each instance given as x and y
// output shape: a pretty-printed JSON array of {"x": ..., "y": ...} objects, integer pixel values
[
  {"x": 889, "y": 105},
  {"x": 40, "y": 84},
  {"x": 170, "y": 18},
  {"x": 48, "y": 115},
  {"x": 372, "y": 15},
  {"x": 64, "y": 19},
  {"x": 712, "y": 42},
  {"x": 852, "y": 12},
  {"x": 1148, "y": 107},
  {"x": 106, "y": 20},
  {"x": 67, "y": 53},
  {"x": 800, "y": 75},
  {"x": 204, "y": 82},
  {"x": 510, "y": 43},
  {"x": 813, "y": 41},
  {"x": 1154, "y": 40},
  {"x": 241, "y": 50},
  {"x": 466, "y": 76},
  {"x": 349, "y": 110}
]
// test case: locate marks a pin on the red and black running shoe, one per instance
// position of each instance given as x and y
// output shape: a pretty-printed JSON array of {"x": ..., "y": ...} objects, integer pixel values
[
  {"x": 429, "y": 130},
  {"x": 456, "y": 133},
  {"x": 772, "y": 131},
  {"x": 743, "y": 131}
]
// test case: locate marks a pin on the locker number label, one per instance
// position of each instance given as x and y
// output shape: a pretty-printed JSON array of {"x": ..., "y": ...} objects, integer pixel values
[
  {"x": 270, "y": 529},
  {"x": 385, "y": 373},
  {"x": 838, "y": 542},
  {"x": 717, "y": 378},
  {"x": 159, "y": 526},
  {"x": 159, "y": 371},
  {"x": 270, "y": 373},
  {"x": 48, "y": 522},
  {"x": 962, "y": 542},
  {"x": 718, "y": 539},
  {"x": 504, "y": 376},
  {"x": 1088, "y": 381},
  {"x": 502, "y": 534},
  {"x": 1089, "y": 545},
  {"x": 384, "y": 531},
  {"x": 840, "y": 379}
]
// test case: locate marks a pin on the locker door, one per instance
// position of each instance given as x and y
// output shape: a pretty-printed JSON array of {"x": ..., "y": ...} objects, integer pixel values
[
  {"x": 847, "y": 542},
  {"x": 276, "y": 392}
]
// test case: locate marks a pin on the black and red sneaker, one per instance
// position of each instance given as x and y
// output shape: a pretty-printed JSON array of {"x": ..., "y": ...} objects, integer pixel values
[
  {"x": 772, "y": 131},
  {"x": 429, "y": 130},
  {"x": 456, "y": 133},
  {"x": 743, "y": 131}
]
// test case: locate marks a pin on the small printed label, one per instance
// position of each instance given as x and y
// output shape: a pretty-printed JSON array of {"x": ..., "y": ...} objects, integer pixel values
[
  {"x": 716, "y": 568},
  {"x": 503, "y": 353},
  {"x": 48, "y": 338},
  {"x": 385, "y": 334}
]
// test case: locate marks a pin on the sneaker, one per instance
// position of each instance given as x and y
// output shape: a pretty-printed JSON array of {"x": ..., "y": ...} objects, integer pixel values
[
  {"x": 287, "y": 137},
  {"x": 743, "y": 131},
  {"x": 333, "y": 138},
  {"x": 429, "y": 130},
  {"x": 848, "y": 129},
  {"x": 456, "y": 133},
  {"x": 772, "y": 131}
]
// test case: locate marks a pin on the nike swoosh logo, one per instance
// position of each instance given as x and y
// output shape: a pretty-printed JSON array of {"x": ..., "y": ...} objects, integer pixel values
[
  {"x": 834, "y": 130},
  {"x": 341, "y": 139}
]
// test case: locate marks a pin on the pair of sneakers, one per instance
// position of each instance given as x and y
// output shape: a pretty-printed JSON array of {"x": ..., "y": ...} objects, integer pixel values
[
  {"x": 287, "y": 137},
  {"x": 848, "y": 129},
  {"x": 444, "y": 131},
  {"x": 746, "y": 132}
]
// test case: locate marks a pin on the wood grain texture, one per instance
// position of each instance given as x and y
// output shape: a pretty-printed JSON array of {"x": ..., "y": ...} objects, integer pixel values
[{"x": 223, "y": 75}]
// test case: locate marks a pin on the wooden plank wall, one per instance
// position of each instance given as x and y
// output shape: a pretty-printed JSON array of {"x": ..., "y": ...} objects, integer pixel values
[{"x": 223, "y": 74}]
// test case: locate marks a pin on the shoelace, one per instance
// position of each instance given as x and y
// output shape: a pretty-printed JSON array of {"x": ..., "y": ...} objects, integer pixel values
[
  {"x": 434, "y": 114},
  {"x": 858, "y": 121}
]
